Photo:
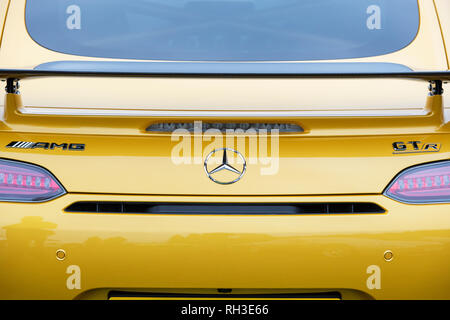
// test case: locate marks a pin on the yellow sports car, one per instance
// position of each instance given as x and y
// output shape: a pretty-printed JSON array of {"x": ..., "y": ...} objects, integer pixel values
[{"x": 225, "y": 149}]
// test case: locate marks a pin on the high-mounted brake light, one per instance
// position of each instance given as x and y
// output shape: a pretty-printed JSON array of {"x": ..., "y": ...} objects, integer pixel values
[
  {"x": 23, "y": 182},
  {"x": 429, "y": 183}
]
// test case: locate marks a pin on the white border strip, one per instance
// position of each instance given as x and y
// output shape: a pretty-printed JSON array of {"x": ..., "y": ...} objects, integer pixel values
[{"x": 218, "y": 114}]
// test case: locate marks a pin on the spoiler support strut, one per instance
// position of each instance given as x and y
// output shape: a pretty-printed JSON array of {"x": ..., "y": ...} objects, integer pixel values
[
  {"x": 436, "y": 88},
  {"x": 12, "y": 85}
]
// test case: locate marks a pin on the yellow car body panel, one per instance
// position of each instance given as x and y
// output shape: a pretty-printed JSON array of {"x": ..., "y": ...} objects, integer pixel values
[
  {"x": 426, "y": 52},
  {"x": 141, "y": 252},
  {"x": 443, "y": 13},
  {"x": 366, "y": 162},
  {"x": 345, "y": 158}
]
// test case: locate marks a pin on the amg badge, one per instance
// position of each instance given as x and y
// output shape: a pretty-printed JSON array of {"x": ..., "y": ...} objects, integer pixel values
[{"x": 46, "y": 145}]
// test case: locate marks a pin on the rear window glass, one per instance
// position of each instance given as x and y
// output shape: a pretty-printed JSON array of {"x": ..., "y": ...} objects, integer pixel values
[{"x": 223, "y": 30}]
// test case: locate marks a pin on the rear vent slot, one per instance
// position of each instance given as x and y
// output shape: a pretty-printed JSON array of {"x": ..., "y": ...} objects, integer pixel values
[
  {"x": 333, "y": 295},
  {"x": 225, "y": 208}
]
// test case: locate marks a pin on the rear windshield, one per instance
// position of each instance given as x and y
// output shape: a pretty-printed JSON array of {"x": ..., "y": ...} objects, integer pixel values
[{"x": 223, "y": 30}]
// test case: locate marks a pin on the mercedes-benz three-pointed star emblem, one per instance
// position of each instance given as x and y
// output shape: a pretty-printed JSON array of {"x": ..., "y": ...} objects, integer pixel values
[{"x": 225, "y": 165}]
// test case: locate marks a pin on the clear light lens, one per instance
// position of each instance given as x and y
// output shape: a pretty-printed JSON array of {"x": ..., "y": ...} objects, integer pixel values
[
  {"x": 429, "y": 183},
  {"x": 24, "y": 182}
]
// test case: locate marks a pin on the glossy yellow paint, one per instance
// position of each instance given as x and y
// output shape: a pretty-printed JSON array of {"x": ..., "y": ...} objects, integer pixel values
[
  {"x": 4, "y": 4},
  {"x": 306, "y": 165},
  {"x": 336, "y": 159},
  {"x": 432, "y": 120},
  {"x": 426, "y": 52},
  {"x": 184, "y": 253},
  {"x": 443, "y": 13}
]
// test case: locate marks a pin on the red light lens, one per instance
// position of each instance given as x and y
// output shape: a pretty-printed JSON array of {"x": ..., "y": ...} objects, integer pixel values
[
  {"x": 429, "y": 183},
  {"x": 22, "y": 182}
]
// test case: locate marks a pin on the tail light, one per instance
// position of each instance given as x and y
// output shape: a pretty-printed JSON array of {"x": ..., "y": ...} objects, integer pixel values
[
  {"x": 429, "y": 183},
  {"x": 23, "y": 182}
]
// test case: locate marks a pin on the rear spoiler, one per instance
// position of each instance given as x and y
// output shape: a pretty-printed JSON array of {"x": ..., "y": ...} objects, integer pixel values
[
  {"x": 433, "y": 116},
  {"x": 221, "y": 69},
  {"x": 279, "y": 71},
  {"x": 249, "y": 73}
]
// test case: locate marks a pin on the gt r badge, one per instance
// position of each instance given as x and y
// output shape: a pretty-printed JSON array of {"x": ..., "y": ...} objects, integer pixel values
[
  {"x": 225, "y": 173},
  {"x": 415, "y": 147},
  {"x": 46, "y": 145}
]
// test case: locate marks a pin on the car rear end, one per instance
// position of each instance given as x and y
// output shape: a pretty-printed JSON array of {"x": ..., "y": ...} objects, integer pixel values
[{"x": 188, "y": 156}]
